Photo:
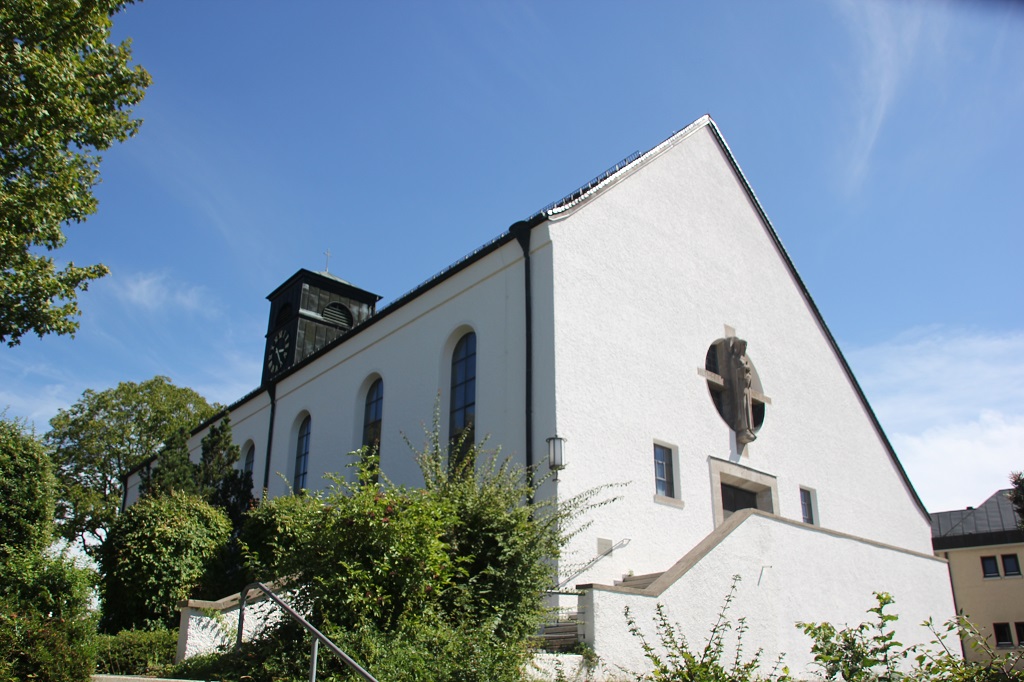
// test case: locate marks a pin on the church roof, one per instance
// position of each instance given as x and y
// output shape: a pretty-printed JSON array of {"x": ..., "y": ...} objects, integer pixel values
[{"x": 994, "y": 522}]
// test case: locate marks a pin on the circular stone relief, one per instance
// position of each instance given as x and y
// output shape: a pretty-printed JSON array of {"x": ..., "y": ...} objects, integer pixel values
[{"x": 735, "y": 387}]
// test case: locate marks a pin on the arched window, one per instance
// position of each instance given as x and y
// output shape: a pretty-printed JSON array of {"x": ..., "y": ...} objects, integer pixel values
[
  {"x": 462, "y": 409},
  {"x": 373, "y": 414},
  {"x": 250, "y": 459},
  {"x": 302, "y": 455}
]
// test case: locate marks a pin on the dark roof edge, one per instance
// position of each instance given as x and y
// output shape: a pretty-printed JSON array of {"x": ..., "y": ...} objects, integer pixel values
[
  {"x": 997, "y": 537},
  {"x": 453, "y": 269},
  {"x": 817, "y": 313}
]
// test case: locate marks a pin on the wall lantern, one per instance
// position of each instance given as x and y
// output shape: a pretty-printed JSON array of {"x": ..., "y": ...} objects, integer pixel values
[{"x": 556, "y": 454}]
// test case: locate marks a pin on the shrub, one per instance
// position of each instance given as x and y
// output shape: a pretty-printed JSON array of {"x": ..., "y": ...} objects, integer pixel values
[
  {"x": 136, "y": 652},
  {"x": 679, "y": 662},
  {"x": 27, "y": 491},
  {"x": 46, "y": 628},
  {"x": 863, "y": 652},
  {"x": 156, "y": 555}
]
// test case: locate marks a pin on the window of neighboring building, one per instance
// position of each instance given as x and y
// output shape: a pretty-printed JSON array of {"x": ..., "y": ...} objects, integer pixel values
[
  {"x": 735, "y": 499},
  {"x": 1020, "y": 633},
  {"x": 664, "y": 472},
  {"x": 250, "y": 459},
  {"x": 1003, "y": 636},
  {"x": 302, "y": 455},
  {"x": 374, "y": 414},
  {"x": 989, "y": 567},
  {"x": 462, "y": 408},
  {"x": 807, "y": 510},
  {"x": 1011, "y": 566}
]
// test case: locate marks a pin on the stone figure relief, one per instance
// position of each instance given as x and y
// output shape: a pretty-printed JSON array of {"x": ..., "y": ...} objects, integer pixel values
[{"x": 735, "y": 388}]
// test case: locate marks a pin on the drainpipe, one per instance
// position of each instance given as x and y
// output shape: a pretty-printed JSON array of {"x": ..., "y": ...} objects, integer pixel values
[
  {"x": 272, "y": 392},
  {"x": 521, "y": 231}
]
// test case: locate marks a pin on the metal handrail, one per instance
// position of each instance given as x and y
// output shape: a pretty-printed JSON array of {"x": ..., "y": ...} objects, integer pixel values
[{"x": 317, "y": 635}]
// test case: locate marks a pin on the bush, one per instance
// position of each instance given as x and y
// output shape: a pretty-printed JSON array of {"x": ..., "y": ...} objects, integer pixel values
[
  {"x": 156, "y": 555},
  {"x": 440, "y": 583},
  {"x": 136, "y": 652},
  {"x": 46, "y": 628},
  {"x": 27, "y": 491}
]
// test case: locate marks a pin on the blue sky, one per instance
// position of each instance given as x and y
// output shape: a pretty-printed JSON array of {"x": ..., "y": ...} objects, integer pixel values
[{"x": 883, "y": 138}]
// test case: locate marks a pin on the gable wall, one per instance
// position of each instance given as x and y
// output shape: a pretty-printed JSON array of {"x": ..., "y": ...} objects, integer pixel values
[{"x": 648, "y": 273}]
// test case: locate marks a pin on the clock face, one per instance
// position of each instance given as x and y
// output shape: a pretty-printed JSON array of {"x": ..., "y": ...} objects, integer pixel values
[{"x": 277, "y": 355}]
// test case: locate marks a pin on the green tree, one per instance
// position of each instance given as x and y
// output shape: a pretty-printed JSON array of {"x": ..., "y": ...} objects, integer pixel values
[
  {"x": 218, "y": 481},
  {"x": 46, "y": 629},
  {"x": 214, "y": 478},
  {"x": 1017, "y": 495},
  {"x": 156, "y": 554},
  {"x": 106, "y": 434},
  {"x": 66, "y": 94}
]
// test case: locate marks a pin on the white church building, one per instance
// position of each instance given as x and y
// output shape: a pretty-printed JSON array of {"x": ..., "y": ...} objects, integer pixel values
[{"x": 652, "y": 322}]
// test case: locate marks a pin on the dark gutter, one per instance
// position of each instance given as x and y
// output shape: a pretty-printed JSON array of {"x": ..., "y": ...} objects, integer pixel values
[
  {"x": 272, "y": 392},
  {"x": 521, "y": 231}
]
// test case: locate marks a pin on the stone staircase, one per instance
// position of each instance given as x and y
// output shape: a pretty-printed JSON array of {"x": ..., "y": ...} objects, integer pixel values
[
  {"x": 560, "y": 635},
  {"x": 638, "y": 582}
]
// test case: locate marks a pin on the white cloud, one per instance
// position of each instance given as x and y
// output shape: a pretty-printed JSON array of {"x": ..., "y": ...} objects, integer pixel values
[
  {"x": 890, "y": 36},
  {"x": 156, "y": 292},
  {"x": 952, "y": 403},
  {"x": 962, "y": 464}
]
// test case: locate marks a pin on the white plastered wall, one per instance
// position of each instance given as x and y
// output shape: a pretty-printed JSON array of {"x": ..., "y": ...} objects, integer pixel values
[
  {"x": 789, "y": 572},
  {"x": 648, "y": 273},
  {"x": 410, "y": 349}
]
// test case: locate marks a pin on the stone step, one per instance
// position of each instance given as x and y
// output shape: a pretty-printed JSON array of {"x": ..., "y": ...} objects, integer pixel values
[{"x": 638, "y": 582}]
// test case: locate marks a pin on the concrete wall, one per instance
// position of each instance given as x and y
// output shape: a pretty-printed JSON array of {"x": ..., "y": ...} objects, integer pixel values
[
  {"x": 209, "y": 626},
  {"x": 789, "y": 572}
]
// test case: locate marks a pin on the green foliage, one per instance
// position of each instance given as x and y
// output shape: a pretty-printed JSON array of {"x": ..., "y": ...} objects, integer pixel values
[
  {"x": 156, "y": 555},
  {"x": 439, "y": 583},
  {"x": 214, "y": 478},
  {"x": 172, "y": 471},
  {"x": 102, "y": 437},
  {"x": 26, "y": 491},
  {"x": 46, "y": 628},
  {"x": 371, "y": 555},
  {"x": 136, "y": 652},
  {"x": 942, "y": 661},
  {"x": 273, "y": 531},
  {"x": 679, "y": 662},
  {"x": 867, "y": 651},
  {"x": 1017, "y": 496},
  {"x": 66, "y": 94}
]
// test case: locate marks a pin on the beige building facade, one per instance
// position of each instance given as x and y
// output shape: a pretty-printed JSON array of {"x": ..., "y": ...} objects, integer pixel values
[{"x": 984, "y": 547}]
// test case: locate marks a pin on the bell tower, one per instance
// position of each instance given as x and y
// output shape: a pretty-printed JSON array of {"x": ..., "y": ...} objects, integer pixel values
[{"x": 307, "y": 312}]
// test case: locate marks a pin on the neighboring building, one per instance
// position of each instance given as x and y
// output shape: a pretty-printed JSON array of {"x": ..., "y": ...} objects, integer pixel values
[
  {"x": 984, "y": 547},
  {"x": 653, "y": 320}
]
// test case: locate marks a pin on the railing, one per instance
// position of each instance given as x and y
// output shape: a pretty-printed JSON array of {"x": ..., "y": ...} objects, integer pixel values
[{"x": 318, "y": 636}]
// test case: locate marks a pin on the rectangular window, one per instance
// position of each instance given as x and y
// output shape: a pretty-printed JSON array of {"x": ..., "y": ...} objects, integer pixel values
[
  {"x": 664, "y": 481},
  {"x": 1020, "y": 633},
  {"x": 807, "y": 506},
  {"x": 1011, "y": 566},
  {"x": 989, "y": 567},
  {"x": 1003, "y": 636}
]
